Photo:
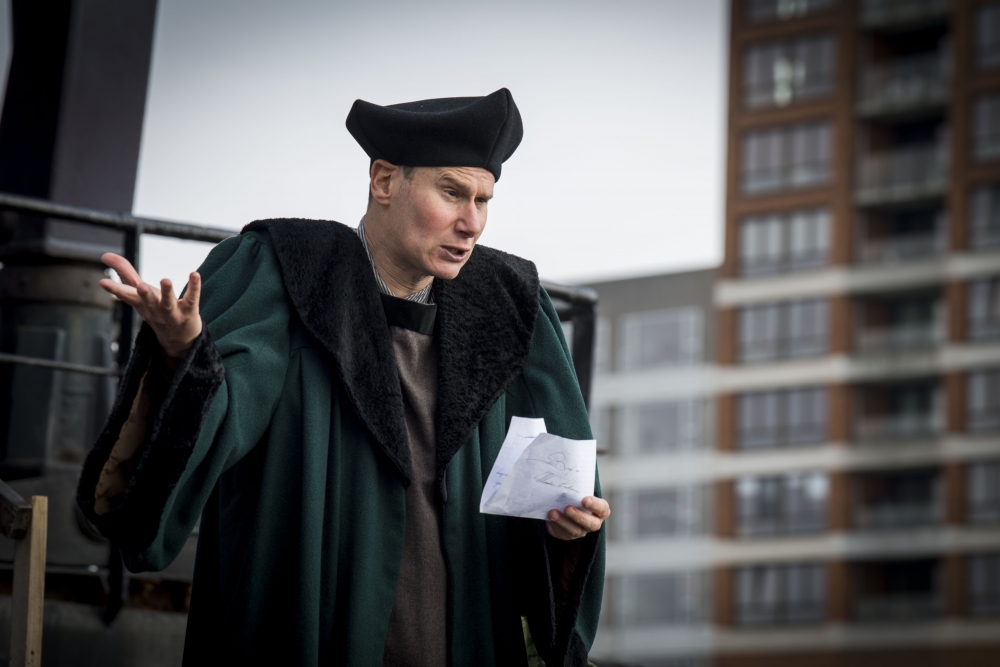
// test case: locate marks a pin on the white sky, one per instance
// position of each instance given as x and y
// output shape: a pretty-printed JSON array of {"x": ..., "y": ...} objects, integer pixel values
[{"x": 620, "y": 171}]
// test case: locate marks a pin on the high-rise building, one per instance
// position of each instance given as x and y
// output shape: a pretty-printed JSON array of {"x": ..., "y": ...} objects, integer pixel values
[{"x": 847, "y": 507}]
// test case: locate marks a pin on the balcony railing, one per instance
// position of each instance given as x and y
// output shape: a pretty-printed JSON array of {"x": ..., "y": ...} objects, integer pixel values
[
  {"x": 899, "y": 607},
  {"x": 908, "y": 337},
  {"x": 904, "y": 84},
  {"x": 902, "y": 174},
  {"x": 901, "y": 248},
  {"x": 985, "y": 236},
  {"x": 984, "y": 328},
  {"x": 899, "y": 427},
  {"x": 796, "y": 524},
  {"x": 878, "y": 13},
  {"x": 985, "y": 419},
  {"x": 897, "y": 515},
  {"x": 984, "y": 511}
]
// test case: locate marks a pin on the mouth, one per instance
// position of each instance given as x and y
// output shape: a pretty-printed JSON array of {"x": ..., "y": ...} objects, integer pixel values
[{"x": 456, "y": 253}]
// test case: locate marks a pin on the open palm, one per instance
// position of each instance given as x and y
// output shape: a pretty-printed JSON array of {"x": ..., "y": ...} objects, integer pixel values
[{"x": 176, "y": 322}]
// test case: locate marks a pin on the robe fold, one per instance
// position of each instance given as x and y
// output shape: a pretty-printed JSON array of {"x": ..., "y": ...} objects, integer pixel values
[{"x": 284, "y": 432}]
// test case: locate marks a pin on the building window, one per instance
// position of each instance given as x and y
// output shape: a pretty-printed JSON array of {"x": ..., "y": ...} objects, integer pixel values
[
  {"x": 759, "y": 11},
  {"x": 602, "y": 346},
  {"x": 784, "y": 158},
  {"x": 780, "y": 594},
  {"x": 988, "y": 35},
  {"x": 783, "y": 243},
  {"x": 986, "y": 128},
  {"x": 783, "y": 330},
  {"x": 983, "y": 401},
  {"x": 984, "y": 308},
  {"x": 657, "y": 428},
  {"x": 779, "y": 73},
  {"x": 679, "y": 511},
  {"x": 782, "y": 418},
  {"x": 786, "y": 505},
  {"x": 670, "y": 598},
  {"x": 671, "y": 337},
  {"x": 983, "y": 492},
  {"x": 984, "y": 585},
  {"x": 985, "y": 227}
]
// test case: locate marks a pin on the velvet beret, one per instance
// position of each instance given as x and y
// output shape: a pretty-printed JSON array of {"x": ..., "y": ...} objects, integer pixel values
[{"x": 446, "y": 132}]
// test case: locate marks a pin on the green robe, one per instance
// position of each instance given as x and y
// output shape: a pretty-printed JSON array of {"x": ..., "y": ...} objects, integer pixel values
[{"x": 283, "y": 432}]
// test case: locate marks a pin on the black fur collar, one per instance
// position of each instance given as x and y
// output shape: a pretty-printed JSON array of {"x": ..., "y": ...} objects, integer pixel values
[{"x": 485, "y": 320}]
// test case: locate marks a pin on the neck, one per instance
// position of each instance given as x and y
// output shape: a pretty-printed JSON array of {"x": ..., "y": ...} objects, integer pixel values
[{"x": 398, "y": 276}]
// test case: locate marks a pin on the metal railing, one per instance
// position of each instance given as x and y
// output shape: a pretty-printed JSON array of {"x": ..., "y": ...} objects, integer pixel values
[
  {"x": 899, "y": 427},
  {"x": 878, "y": 13},
  {"x": 901, "y": 174},
  {"x": 904, "y": 84},
  {"x": 898, "y": 515},
  {"x": 901, "y": 247},
  {"x": 898, "y": 607},
  {"x": 133, "y": 227},
  {"x": 902, "y": 337}
]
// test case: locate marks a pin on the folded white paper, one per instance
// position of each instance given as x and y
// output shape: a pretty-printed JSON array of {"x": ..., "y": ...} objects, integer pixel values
[{"x": 536, "y": 472}]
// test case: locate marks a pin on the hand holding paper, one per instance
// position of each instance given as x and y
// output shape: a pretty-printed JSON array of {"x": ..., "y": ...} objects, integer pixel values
[{"x": 536, "y": 472}]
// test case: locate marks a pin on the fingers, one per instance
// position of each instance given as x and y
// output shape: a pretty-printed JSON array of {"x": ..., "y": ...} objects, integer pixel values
[
  {"x": 599, "y": 507},
  {"x": 573, "y": 523},
  {"x": 193, "y": 294},
  {"x": 124, "y": 292},
  {"x": 122, "y": 267},
  {"x": 167, "y": 299},
  {"x": 149, "y": 298}
]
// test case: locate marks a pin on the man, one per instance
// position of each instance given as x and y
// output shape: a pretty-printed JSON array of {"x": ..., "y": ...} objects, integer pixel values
[{"x": 330, "y": 410}]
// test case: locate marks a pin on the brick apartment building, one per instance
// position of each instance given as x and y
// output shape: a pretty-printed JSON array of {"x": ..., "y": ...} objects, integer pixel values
[{"x": 804, "y": 446}]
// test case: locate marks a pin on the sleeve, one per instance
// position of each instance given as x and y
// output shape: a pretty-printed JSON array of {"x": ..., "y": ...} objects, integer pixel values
[
  {"x": 169, "y": 437},
  {"x": 562, "y": 582}
]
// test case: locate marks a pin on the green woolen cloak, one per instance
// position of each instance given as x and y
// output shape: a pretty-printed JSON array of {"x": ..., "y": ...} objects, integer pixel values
[{"x": 283, "y": 431}]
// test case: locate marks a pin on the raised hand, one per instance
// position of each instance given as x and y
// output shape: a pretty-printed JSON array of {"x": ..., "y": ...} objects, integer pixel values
[{"x": 175, "y": 322}]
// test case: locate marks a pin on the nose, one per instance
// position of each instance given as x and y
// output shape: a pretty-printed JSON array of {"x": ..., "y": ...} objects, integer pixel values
[{"x": 471, "y": 221}]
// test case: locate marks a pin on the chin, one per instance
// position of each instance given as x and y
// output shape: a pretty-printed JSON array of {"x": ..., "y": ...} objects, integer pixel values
[{"x": 447, "y": 271}]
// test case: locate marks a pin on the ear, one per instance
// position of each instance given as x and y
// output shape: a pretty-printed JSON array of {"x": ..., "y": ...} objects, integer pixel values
[{"x": 380, "y": 184}]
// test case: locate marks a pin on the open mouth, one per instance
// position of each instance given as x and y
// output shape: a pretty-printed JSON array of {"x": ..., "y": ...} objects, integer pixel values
[{"x": 455, "y": 253}]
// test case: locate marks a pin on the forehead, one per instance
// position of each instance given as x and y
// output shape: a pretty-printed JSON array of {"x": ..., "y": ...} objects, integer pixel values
[{"x": 472, "y": 178}]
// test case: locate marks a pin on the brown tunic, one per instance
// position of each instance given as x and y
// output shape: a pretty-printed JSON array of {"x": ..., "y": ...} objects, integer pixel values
[{"x": 418, "y": 625}]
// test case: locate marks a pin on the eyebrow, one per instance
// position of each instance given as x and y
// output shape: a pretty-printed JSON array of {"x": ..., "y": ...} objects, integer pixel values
[{"x": 462, "y": 187}]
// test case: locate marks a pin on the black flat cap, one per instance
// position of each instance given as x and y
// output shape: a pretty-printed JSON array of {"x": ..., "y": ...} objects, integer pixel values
[{"x": 447, "y": 132}]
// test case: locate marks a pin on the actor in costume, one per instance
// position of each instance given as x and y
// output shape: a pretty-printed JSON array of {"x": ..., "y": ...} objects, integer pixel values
[{"x": 329, "y": 401}]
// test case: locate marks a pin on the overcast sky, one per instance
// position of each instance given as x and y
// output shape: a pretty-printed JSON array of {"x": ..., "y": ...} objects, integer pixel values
[{"x": 620, "y": 171}]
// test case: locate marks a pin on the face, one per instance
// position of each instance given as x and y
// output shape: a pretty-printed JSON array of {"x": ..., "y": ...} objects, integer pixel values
[{"x": 438, "y": 214}]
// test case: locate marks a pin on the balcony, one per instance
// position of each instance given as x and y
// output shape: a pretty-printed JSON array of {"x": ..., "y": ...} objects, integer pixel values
[
  {"x": 917, "y": 426},
  {"x": 896, "y": 516},
  {"x": 903, "y": 607},
  {"x": 895, "y": 591},
  {"x": 900, "y": 338},
  {"x": 904, "y": 85},
  {"x": 911, "y": 173},
  {"x": 897, "y": 500},
  {"x": 887, "y": 236},
  {"x": 899, "y": 323},
  {"x": 901, "y": 248},
  {"x": 897, "y": 13}
]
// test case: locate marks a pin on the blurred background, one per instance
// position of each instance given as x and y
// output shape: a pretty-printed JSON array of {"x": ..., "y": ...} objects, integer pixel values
[{"x": 790, "y": 211}]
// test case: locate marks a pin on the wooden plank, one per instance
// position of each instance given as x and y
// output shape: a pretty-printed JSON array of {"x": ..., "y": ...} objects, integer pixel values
[{"x": 29, "y": 588}]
